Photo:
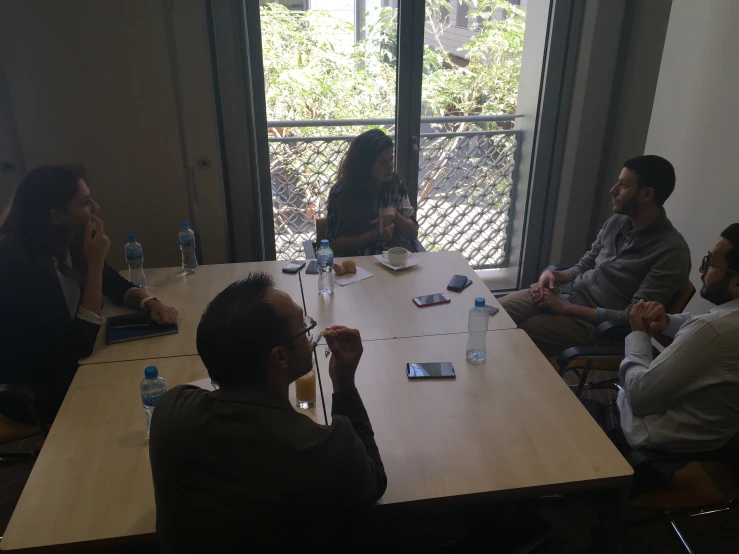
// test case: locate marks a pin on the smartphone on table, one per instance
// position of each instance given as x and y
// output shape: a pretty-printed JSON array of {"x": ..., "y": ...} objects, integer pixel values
[
  {"x": 492, "y": 310},
  {"x": 459, "y": 283},
  {"x": 435, "y": 370},
  {"x": 294, "y": 266},
  {"x": 431, "y": 300}
]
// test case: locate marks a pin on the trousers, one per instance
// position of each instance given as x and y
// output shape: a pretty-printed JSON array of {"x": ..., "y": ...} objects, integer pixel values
[{"x": 552, "y": 333}]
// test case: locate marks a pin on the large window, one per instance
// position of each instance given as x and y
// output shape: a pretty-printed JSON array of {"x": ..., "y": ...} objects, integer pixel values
[{"x": 449, "y": 96}]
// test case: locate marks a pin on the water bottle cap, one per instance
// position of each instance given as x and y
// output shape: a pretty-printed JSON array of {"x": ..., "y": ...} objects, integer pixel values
[
  {"x": 131, "y": 238},
  {"x": 479, "y": 302},
  {"x": 324, "y": 243},
  {"x": 151, "y": 372},
  {"x": 185, "y": 225}
]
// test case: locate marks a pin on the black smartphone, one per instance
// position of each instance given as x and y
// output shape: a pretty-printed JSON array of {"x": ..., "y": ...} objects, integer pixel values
[
  {"x": 431, "y": 300},
  {"x": 458, "y": 283},
  {"x": 312, "y": 268},
  {"x": 294, "y": 266},
  {"x": 492, "y": 310},
  {"x": 139, "y": 319},
  {"x": 435, "y": 370}
]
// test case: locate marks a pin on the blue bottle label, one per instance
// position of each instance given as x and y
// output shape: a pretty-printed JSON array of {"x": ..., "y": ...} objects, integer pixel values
[{"x": 184, "y": 243}]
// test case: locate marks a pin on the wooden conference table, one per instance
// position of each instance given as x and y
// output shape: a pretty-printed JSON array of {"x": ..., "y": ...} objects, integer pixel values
[
  {"x": 506, "y": 428},
  {"x": 92, "y": 480},
  {"x": 380, "y": 307}
]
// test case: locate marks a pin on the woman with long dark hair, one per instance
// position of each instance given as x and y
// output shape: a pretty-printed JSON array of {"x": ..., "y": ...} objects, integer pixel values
[
  {"x": 368, "y": 207},
  {"x": 52, "y": 277}
]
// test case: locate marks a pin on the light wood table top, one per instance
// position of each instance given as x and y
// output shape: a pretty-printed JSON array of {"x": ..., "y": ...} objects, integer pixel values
[
  {"x": 508, "y": 427},
  {"x": 382, "y": 307},
  {"x": 92, "y": 480},
  {"x": 190, "y": 294}
]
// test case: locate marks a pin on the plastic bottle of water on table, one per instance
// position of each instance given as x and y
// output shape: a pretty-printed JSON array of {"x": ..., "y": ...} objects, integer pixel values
[
  {"x": 135, "y": 260},
  {"x": 153, "y": 388},
  {"x": 187, "y": 245},
  {"x": 478, "y": 329},
  {"x": 325, "y": 269}
]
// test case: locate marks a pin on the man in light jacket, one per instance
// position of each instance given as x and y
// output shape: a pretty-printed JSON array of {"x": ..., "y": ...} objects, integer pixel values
[{"x": 687, "y": 399}]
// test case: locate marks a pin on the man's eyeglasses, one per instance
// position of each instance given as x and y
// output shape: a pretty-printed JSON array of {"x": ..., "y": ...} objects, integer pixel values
[
  {"x": 310, "y": 324},
  {"x": 706, "y": 263}
]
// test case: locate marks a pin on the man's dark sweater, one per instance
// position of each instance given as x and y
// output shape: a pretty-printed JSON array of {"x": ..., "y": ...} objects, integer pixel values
[{"x": 239, "y": 467}]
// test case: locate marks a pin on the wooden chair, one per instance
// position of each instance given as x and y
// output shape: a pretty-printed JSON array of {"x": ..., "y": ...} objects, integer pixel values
[
  {"x": 11, "y": 431},
  {"x": 691, "y": 491},
  {"x": 311, "y": 248},
  {"x": 581, "y": 359}
]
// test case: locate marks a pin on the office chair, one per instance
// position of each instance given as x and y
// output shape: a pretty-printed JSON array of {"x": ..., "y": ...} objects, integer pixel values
[
  {"x": 691, "y": 492},
  {"x": 580, "y": 359}
]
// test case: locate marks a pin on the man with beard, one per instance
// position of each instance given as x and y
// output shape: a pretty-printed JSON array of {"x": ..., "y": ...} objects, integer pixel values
[
  {"x": 238, "y": 468},
  {"x": 638, "y": 255},
  {"x": 687, "y": 399}
]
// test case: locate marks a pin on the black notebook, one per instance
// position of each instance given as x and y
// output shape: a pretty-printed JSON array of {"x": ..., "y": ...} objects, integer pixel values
[{"x": 125, "y": 334}]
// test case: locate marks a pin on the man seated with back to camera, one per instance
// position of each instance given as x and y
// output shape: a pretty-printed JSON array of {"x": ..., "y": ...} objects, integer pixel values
[
  {"x": 239, "y": 467},
  {"x": 638, "y": 255}
]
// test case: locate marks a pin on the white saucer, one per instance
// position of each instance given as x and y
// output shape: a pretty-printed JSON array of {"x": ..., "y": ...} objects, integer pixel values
[{"x": 412, "y": 260}]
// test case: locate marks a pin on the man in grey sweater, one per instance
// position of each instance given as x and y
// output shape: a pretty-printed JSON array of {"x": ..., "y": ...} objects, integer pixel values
[{"x": 638, "y": 255}]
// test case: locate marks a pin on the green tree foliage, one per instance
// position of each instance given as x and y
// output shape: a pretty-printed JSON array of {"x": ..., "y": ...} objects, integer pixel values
[
  {"x": 309, "y": 76},
  {"x": 314, "y": 70}
]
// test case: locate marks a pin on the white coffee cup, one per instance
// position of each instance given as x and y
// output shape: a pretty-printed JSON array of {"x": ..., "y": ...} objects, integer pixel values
[{"x": 397, "y": 256}]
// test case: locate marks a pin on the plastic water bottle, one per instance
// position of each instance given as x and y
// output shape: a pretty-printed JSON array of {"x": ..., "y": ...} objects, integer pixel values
[
  {"x": 153, "y": 388},
  {"x": 187, "y": 245},
  {"x": 135, "y": 260},
  {"x": 325, "y": 269},
  {"x": 478, "y": 327}
]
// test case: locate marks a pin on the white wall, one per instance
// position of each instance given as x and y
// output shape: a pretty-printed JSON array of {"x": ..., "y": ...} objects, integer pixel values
[{"x": 695, "y": 122}]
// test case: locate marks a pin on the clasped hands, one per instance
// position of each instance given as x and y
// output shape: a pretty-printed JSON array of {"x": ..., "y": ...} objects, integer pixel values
[
  {"x": 545, "y": 294},
  {"x": 648, "y": 317}
]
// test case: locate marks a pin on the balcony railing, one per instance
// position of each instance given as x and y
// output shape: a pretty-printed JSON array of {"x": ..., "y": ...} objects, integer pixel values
[{"x": 467, "y": 173}]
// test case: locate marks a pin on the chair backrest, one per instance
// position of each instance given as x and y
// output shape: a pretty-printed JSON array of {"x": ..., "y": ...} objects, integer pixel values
[
  {"x": 680, "y": 300},
  {"x": 312, "y": 247},
  {"x": 320, "y": 229},
  {"x": 12, "y": 430},
  {"x": 676, "y": 306}
]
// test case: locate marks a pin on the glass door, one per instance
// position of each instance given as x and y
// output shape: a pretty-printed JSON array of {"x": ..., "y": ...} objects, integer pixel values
[
  {"x": 330, "y": 73},
  {"x": 469, "y": 142}
]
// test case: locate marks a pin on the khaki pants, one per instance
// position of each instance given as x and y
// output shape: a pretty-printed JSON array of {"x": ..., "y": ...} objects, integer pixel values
[{"x": 552, "y": 333}]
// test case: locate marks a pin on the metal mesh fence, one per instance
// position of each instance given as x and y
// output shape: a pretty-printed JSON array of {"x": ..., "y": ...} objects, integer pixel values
[{"x": 464, "y": 191}]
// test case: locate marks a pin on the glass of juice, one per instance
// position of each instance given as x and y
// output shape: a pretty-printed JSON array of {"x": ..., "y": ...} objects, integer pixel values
[{"x": 305, "y": 390}]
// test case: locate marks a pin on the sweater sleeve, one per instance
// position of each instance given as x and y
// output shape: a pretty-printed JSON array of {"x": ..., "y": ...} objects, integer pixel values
[
  {"x": 364, "y": 473},
  {"x": 664, "y": 280},
  {"x": 587, "y": 262},
  {"x": 115, "y": 287},
  {"x": 36, "y": 321}
]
